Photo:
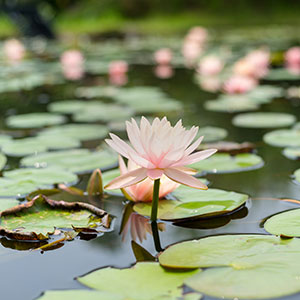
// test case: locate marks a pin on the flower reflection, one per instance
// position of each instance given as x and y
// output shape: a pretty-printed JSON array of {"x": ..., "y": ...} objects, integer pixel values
[
  {"x": 163, "y": 71},
  {"x": 72, "y": 63},
  {"x": 14, "y": 50}
]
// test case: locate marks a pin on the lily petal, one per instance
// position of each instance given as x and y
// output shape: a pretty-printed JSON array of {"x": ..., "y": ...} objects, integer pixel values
[
  {"x": 155, "y": 173},
  {"x": 183, "y": 178},
  {"x": 127, "y": 179}
]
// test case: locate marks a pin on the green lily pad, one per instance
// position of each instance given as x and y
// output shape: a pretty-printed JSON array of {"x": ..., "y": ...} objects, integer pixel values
[
  {"x": 283, "y": 138},
  {"x": 58, "y": 142},
  {"x": 231, "y": 104},
  {"x": 212, "y": 134},
  {"x": 223, "y": 250},
  {"x": 76, "y": 160},
  {"x": 82, "y": 132},
  {"x": 107, "y": 177},
  {"x": 67, "y": 106},
  {"x": 281, "y": 74},
  {"x": 44, "y": 176},
  {"x": 270, "y": 277},
  {"x": 35, "y": 120},
  {"x": 3, "y": 161},
  {"x": 97, "y": 91},
  {"x": 264, "y": 93},
  {"x": 144, "y": 281},
  {"x": 284, "y": 224},
  {"x": 226, "y": 163},
  {"x": 39, "y": 218},
  {"x": 4, "y": 139},
  {"x": 263, "y": 120},
  {"x": 6, "y": 203},
  {"x": 297, "y": 175},
  {"x": 292, "y": 153},
  {"x": 193, "y": 203}
]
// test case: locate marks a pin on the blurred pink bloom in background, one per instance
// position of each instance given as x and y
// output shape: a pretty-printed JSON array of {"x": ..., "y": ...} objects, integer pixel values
[
  {"x": 292, "y": 60},
  {"x": 159, "y": 149},
  {"x": 163, "y": 71},
  {"x": 210, "y": 83},
  {"x": 163, "y": 56},
  {"x": 14, "y": 50},
  {"x": 72, "y": 63},
  {"x": 239, "y": 85},
  {"x": 117, "y": 67},
  {"x": 143, "y": 191},
  {"x": 118, "y": 79},
  {"x": 197, "y": 34},
  {"x": 210, "y": 65}
]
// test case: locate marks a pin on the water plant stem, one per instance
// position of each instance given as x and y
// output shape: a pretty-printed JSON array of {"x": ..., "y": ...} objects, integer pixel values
[{"x": 155, "y": 199}]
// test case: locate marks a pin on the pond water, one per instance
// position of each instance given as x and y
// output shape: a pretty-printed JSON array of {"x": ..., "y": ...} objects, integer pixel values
[{"x": 26, "y": 274}]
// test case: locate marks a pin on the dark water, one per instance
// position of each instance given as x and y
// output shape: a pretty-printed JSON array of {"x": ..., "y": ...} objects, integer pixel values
[{"x": 26, "y": 274}]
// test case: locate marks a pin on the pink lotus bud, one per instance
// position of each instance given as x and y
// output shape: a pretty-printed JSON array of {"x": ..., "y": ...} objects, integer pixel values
[
  {"x": 239, "y": 85},
  {"x": 210, "y": 65},
  {"x": 118, "y": 67},
  {"x": 14, "y": 50},
  {"x": 163, "y": 56}
]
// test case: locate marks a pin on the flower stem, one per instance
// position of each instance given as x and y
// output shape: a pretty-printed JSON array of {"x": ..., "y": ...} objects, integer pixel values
[{"x": 155, "y": 199}]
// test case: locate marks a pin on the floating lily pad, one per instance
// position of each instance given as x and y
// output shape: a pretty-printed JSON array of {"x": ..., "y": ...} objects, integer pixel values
[
  {"x": 212, "y": 134},
  {"x": 97, "y": 91},
  {"x": 281, "y": 74},
  {"x": 231, "y": 104},
  {"x": 39, "y": 218},
  {"x": 297, "y": 175},
  {"x": 77, "y": 160},
  {"x": 193, "y": 203},
  {"x": 34, "y": 120},
  {"x": 264, "y": 93},
  {"x": 292, "y": 153},
  {"x": 6, "y": 203},
  {"x": 283, "y": 138},
  {"x": 4, "y": 139},
  {"x": 284, "y": 224},
  {"x": 144, "y": 281},
  {"x": 229, "y": 147},
  {"x": 223, "y": 250},
  {"x": 3, "y": 161},
  {"x": 109, "y": 176},
  {"x": 58, "y": 142},
  {"x": 263, "y": 120},
  {"x": 226, "y": 163},
  {"x": 82, "y": 132},
  {"x": 67, "y": 106}
]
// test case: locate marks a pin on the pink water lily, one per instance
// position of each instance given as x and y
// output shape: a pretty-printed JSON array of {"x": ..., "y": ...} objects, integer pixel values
[{"x": 159, "y": 149}]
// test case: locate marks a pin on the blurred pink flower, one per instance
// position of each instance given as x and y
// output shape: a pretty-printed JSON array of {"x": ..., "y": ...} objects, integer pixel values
[
  {"x": 239, "y": 85},
  {"x": 74, "y": 73},
  {"x": 163, "y": 71},
  {"x": 158, "y": 149},
  {"x": 259, "y": 58},
  {"x": 72, "y": 58},
  {"x": 117, "y": 68},
  {"x": 210, "y": 65},
  {"x": 210, "y": 83},
  {"x": 14, "y": 50},
  {"x": 163, "y": 56},
  {"x": 143, "y": 191},
  {"x": 198, "y": 34},
  {"x": 292, "y": 56},
  {"x": 191, "y": 51}
]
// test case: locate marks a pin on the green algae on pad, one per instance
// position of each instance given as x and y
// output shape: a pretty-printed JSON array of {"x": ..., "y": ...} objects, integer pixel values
[
  {"x": 76, "y": 160},
  {"x": 284, "y": 224},
  {"x": 143, "y": 281},
  {"x": 264, "y": 120},
  {"x": 283, "y": 138},
  {"x": 35, "y": 120},
  {"x": 39, "y": 218},
  {"x": 81, "y": 132},
  {"x": 226, "y": 163},
  {"x": 193, "y": 203}
]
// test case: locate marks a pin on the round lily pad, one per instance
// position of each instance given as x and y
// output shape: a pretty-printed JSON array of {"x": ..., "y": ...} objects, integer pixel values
[
  {"x": 143, "y": 281},
  {"x": 297, "y": 175},
  {"x": 109, "y": 176},
  {"x": 4, "y": 139},
  {"x": 67, "y": 106},
  {"x": 212, "y": 134},
  {"x": 231, "y": 104},
  {"x": 76, "y": 160},
  {"x": 3, "y": 161},
  {"x": 283, "y": 138},
  {"x": 82, "y": 132},
  {"x": 39, "y": 218},
  {"x": 264, "y": 93},
  {"x": 281, "y": 74},
  {"x": 263, "y": 120},
  {"x": 43, "y": 176},
  {"x": 97, "y": 91},
  {"x": 34, "y": 120},
  {"x": 284, "y": 224},
  {"x": 193, "y": 203},
  {"x": 226, "y": 163},
  {"x": 6, "y": 203},
  {"x": 292, "y": 153}
]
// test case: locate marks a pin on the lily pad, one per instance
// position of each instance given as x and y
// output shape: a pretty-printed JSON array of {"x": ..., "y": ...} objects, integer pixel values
[
  {"x": 292, "y": 153},
  {"x": 297, "y": 175},
  {"x": 212, "y": 134},
  {"x": 263, "y": 120},
  {"x": 3, "y": 161},
  {"x": 144, "y": 281},
  {"x": 226, "y": 163},
  {"x": 35, "y": 120},
  {"x": 284, "y": 224},
  {"x": 76, "y": 160},
  {"x": 6, "y": 203},
  {"x": 109, "y": 176},
  {"x": 283, "y": 138},
  {"x": 264, "y": 93},
  {"x": 193, "y": 203},
  {"x": 67, "y": 106},
  {"x": 40, "y": 217},
  {"x": 82, "y": 132},
  {"x": 97, "y": 91},
  {"x": 281, "y": 74},
  {"x": 4, "y": 139}
]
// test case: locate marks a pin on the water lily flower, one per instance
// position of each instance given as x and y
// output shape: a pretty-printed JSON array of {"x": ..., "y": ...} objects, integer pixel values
[
  {"x": 210, "y": 66},
  {"x": 143, "y": 191},
  {"x": 159, "y": 149},
  {"x": 210, "y": 83},
  {"x": 117, "y": 68},
  {"x": 14, "y": 50},
  {"x": 72, "y": 63},
  {"x": 163, "y": 56},
  {"x": 239, "y": 85},
  {"x": 292, "y": 60}
]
